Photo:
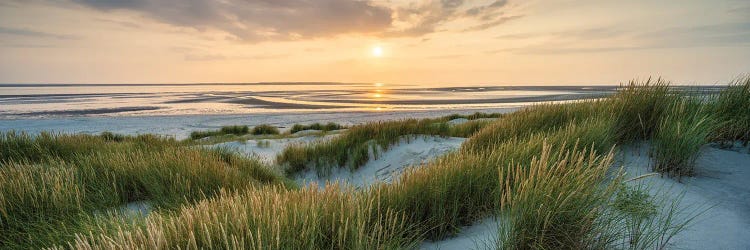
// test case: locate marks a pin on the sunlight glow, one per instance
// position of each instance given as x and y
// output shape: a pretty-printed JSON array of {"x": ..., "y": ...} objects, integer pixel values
[{"x": 377, "y": 51}]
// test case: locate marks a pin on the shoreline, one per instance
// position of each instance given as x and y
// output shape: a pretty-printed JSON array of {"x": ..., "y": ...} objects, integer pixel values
[{"x": 180, "y": 126}]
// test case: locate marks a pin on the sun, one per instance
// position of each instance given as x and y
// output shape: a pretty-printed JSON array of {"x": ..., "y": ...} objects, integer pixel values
[{"x": 377, "y": 51}]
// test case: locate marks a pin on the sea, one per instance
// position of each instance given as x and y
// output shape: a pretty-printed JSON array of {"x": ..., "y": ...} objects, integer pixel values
[{"x": 177, "y": 109}]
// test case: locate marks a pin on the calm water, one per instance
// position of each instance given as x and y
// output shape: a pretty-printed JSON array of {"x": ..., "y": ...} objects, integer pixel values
[{"x": 49, "y": 101}]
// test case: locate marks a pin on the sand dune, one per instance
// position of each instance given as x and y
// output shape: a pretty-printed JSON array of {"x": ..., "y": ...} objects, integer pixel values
[
  {"x": 389, "y": 164},
  {"x": 718, "y": 194}
]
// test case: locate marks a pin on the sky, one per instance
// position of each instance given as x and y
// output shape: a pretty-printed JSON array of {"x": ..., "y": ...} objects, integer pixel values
[{"x": 431, "y": 42}]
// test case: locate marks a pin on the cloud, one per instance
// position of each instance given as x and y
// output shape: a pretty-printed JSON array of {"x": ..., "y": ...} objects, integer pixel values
[
  {"x": 280, "y": 20},
  {"x": 590, "y": 33},
  {"x": 33, "y": 33},
  {"x": 427, "y": 17},
  {"x": 219, "y": 57},
  {"x": 258, "y": 20},
  {"x": 606, "y": 38},
  {"x": 449, "y": 56},
  {"x": 493, "y": 23}
]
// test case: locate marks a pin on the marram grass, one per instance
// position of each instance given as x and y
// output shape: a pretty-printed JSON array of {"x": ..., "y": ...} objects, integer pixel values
[
  {"x": 317, "y": 126},
  {"x": 555, "y": 204},
  {"x": 226, "y": 130},
  {"x": 267, "y": 218},
  {"x": 732, "y": 108},
  {"x": 452, "y": 191},
  {"x": 679, "y": 136},
  {"x": 77, "y": 175}
]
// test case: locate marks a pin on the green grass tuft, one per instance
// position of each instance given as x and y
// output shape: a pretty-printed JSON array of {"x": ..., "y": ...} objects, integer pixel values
[
  {"x": 267, "y": 218},
  {"x": 265, "y": 129},
  {"x": 555, "y": 204},
  {"x": 226, "y": 130},
  {"x": 317, "y": 126},
  {"x": 679, "y": 137},
  {"x": 732, "y": 108},
  {"x": 639, "y": 106}
]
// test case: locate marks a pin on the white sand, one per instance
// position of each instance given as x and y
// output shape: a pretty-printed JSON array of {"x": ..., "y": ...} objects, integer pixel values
[
  {"x": 180, "y": 126},
  {"x": 268, "y": 153},
  {"x": 136, "y": 208},
  {"x": 390, "y": 163},
  {"x": 458, "y": 121},
  {"x": 481, "y": 235},
  {"x": 308, "y": 132},
  {"x": 129, "y": 211},
  {"x": 721, "y": 185}
]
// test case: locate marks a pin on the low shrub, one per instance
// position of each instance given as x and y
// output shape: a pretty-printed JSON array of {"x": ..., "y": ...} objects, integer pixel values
[
  {"x": 317, "y": 126},
  {"x": 477, "y": 115},
  {"x": 235, "y": 130},
  {"x": 265, "y": 129},
  {"x": 226, "y": 130}
]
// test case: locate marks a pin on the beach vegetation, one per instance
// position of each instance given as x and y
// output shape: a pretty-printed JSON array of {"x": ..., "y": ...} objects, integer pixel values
[
  {"x": 265, "y": 129},
  {"x": 226, "y": 130},
  {"x": 474, "y": 116},
  {"x": 354, "y": 147},
  {"x": 552, "y": 204},
  {"x": 679, "y": 136},
  {"x": 265, "y": 218},
  {"x": 731, "y": 107},
  {"x": 331, "y": 126},
  {"x": 49, "y": 183}
]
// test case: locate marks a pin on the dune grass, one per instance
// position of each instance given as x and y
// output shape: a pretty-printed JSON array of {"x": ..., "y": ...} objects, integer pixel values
[
  {"x": 538, "y": 118},
  {"x": 317, "y": 126},
  {"x": 732, "y": 108},
  {"x": 24, "y": 147},
  {"x": 452, "y": 191},
  {"x": 639, "y": 106},
  {"x": 679, "y": 137},
  {"x": 474, "y": 116},
  {"x": 50, "y": 182},
  {"x": 265, "y": 129},
  {"x": 359, "y": 143},
  {"x": 555, "y": 204},
  {"x": 267, "y": 218},
  {"x": 468, "y": 129},
  {"x": 420, "y": 204},
  {"x": 226, "y": 130}
]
